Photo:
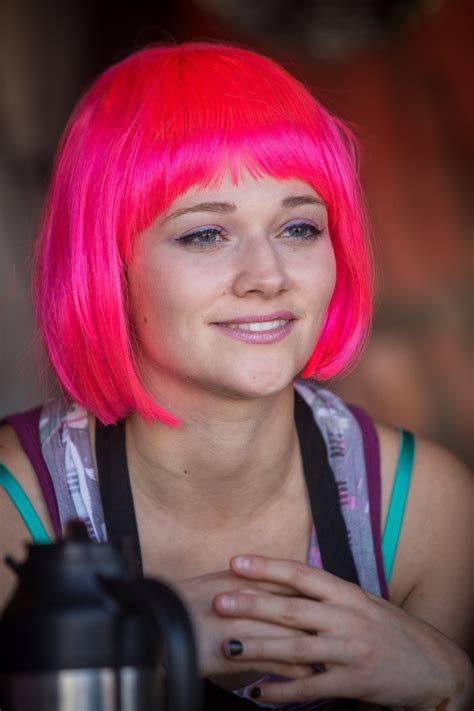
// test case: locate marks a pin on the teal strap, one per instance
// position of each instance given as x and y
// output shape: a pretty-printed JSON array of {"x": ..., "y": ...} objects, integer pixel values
[
  {"x": 24, "y": 506},
  {"x": 396, "y": 509}
]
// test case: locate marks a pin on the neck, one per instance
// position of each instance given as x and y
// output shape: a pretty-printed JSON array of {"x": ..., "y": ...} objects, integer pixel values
[{"x": 228, "y": 462}]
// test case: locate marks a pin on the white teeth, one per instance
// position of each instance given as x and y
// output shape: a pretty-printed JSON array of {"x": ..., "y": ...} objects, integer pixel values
[{"x": 260, "y": 326}]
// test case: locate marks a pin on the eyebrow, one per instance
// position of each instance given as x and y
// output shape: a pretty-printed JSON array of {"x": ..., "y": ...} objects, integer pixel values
[{"x": 229, "y": 207}]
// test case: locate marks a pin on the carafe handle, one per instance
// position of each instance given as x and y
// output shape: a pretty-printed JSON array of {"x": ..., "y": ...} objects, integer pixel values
[{"x": 174, "y": 629}]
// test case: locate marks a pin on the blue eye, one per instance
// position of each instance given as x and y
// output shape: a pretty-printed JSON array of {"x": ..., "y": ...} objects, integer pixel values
[
  {"x": 302, "y": 230},
  {"x": 204, "y": 237}
]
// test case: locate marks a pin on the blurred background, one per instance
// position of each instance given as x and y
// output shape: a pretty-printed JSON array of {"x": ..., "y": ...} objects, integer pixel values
[{"x": 400, "y": 72}]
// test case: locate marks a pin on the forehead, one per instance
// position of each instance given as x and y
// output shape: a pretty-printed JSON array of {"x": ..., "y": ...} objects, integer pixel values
[{"x": 246, "y": 190}]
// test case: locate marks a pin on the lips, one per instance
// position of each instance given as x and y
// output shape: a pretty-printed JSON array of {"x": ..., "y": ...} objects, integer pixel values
[
  {"x": 258, "y": 326},
  {"x": 235, "y": 322},
  {"x": 259, "y": 329}
]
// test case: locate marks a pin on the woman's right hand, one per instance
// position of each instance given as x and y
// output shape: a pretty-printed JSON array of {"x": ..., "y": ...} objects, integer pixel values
[{"x": 211, "y": 629}]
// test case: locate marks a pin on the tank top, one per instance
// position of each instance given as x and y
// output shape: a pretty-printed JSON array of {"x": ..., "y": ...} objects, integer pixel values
[
  {"x": 65, "y": 445},
  {"x": 352, "y": 450}
]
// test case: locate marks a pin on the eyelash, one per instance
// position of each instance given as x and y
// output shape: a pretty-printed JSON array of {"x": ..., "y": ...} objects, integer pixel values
[{"x": 192, "y": 239}]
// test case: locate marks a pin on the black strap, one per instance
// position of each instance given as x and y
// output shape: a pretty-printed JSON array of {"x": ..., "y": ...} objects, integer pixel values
[
  {"x": 119, "y": 511},
  {"x": 333, "y": 538},
  {"x": 116, "y": 493}
]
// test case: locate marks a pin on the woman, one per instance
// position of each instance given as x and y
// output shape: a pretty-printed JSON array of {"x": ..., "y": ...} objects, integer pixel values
[{"x": 203, "y": 246}]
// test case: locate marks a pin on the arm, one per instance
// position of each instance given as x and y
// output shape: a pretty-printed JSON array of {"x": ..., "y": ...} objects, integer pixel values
[
  {"x": 13, "y": 533},
  {"x": 432, "y": 575}
]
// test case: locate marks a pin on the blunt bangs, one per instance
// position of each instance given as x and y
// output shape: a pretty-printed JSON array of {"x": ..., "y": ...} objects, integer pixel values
[{"x": 161, "y": 121}]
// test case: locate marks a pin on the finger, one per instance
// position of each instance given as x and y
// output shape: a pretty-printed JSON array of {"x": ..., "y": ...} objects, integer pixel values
[
  {"x": 295, "y": 612},
  {"x": 304, "y": 649},
  {"x": 323, "y": 685},
  {"x": 289, "y": 671},
  {"x": 261, "y": 586},
  {"x": 311, "y": 582},
  {"x": 275, "y": 588},
  {"x": 238, "y": 628}
]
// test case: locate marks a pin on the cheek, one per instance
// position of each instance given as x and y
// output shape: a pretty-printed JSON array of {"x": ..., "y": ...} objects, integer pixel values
[
  {"x": 321, "y": 278},
  {"x": 166, "y": 296},
  {"x": 147, "y": 301},
  {"x": 153, "y": 287},
  {"x": 329, "y": 278},
  {"x": 154, "y": 304}
]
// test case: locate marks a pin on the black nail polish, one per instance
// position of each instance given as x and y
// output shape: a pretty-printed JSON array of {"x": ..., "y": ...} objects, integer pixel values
[
  {"x": 255, "y": 693},
  {"x": 235, "y": 647}
]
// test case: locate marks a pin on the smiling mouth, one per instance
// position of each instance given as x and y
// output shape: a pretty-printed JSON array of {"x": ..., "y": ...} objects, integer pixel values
[{"x": 258, "y": 326}]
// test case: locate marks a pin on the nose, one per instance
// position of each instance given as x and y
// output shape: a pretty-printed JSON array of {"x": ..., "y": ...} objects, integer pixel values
[{"x": 260, "y": 269}]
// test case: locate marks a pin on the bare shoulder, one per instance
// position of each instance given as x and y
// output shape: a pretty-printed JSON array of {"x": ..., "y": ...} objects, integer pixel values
[
  {"x": 13, "y": 532},
  {"x": 432, "y": 573}
]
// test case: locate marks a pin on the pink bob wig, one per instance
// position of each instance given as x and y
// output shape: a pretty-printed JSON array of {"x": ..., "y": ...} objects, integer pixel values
[{"x": 162, "y": 120}]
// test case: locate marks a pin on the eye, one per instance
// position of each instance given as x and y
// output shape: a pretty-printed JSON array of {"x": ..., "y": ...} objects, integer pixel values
[
  {"x": 202, "y": 238},
  {"x": 302, "y": 230}
]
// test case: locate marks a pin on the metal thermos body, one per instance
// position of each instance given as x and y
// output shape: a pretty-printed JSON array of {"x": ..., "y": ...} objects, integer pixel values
[
  {"x": 125, "y": 689},
  {"x": 81, "y": 634}
]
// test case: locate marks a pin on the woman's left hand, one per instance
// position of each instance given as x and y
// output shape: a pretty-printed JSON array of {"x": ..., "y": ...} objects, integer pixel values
[{"x": 371, "y": 650}]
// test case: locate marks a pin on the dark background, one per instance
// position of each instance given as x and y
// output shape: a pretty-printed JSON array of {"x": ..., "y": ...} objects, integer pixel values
[{"x": 400, "y": 72}]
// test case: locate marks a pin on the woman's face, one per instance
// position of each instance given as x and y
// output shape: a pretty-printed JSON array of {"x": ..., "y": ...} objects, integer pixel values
[{"x": 229, "y": 287}]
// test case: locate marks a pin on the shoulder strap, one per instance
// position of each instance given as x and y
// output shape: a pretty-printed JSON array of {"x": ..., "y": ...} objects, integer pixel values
[
  {"x": 24, "y": 506},
  {"x": 374, "y": 488},
  {"x": 333, "y": 539},
  {"x": 26, "y": 426},
  {"x": 116, "y": 492},
  {"x": 396, "y": 509},
  {"x": 119, "y": 512}
]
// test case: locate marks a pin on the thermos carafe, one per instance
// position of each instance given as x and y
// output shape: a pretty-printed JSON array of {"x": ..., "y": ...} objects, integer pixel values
[{"x": 79, "y": 634}]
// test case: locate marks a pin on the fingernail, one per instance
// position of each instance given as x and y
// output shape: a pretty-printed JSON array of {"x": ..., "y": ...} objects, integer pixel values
[
  {"x": 228, "y": 603},
  {"x": 255, "y": 693},
  {"x": 235, "y": 647},
  {"x": 243, "y": 562}
]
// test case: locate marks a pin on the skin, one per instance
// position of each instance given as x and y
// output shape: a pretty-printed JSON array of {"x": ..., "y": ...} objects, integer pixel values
[{"x": 232, "y": 477}]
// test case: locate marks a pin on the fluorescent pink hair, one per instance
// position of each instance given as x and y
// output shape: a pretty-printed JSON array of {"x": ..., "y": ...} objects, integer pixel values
[{"x": 150, "y": 127}]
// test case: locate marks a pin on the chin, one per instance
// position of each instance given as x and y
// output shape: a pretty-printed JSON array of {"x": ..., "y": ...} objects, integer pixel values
[{"x": 261, "y": 385}]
